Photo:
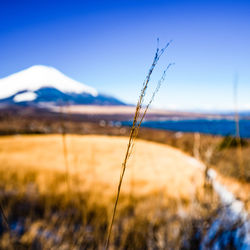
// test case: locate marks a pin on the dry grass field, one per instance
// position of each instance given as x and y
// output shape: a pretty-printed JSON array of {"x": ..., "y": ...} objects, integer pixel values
[
  {"x": 162, "y": 206},
  {"x": 96, "y": 162}
]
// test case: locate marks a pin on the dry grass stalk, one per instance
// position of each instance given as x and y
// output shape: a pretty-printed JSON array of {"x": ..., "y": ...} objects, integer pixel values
[
  {"x": 136, "y": 125},
  {"x": 237, "y": 128},
  {"x": 5, "y": 220},
  {"x": 65, "y": 152}
]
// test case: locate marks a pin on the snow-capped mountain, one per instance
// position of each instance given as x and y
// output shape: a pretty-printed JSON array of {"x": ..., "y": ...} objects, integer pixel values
[{"x": 42, "y": 84}]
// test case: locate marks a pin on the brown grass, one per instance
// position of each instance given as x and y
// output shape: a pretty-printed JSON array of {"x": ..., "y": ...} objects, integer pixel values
[
  {"x": 156, "y": 167},
  {"x": 162, "y": 195}
]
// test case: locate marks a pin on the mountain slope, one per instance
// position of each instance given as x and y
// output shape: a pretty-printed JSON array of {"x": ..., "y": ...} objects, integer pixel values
[{"x": 42, "y": 84}]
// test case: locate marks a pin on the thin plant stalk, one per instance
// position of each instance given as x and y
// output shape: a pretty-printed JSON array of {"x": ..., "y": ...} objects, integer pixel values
[
  {"x": 65, "y": 153},
  {"x": 134, "y": 131},
  {"x": 5, "y": 220},
  {"x": 237, "y": 128},
  {"x": 162, "y": 79}
]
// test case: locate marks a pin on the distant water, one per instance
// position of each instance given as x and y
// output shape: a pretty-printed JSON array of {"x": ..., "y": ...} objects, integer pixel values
[{"x": 215, "y": 126}]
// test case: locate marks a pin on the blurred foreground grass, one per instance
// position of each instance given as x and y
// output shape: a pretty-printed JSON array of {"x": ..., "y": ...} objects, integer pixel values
[{"x": 163, "y": 203}]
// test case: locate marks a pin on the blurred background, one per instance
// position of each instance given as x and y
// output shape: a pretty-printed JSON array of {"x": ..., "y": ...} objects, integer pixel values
[
  {"x": 109, "y": 45},
  {"x": 71, "y": 78}
]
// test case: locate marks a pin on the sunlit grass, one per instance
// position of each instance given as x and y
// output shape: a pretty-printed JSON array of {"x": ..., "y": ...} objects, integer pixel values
[
  {"x": 95, "y": 160},
  {"x": 162, "y": 193}
]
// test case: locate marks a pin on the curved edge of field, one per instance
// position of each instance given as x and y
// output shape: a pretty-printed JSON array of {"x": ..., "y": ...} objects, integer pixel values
[{"x": 95, "y": 164}]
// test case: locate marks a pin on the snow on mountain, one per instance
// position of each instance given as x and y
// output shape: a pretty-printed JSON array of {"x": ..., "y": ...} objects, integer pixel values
[
  {"x": 37, "y": 77},
  {"x": 41, "y": 85},
  {"x": 25, "y": 97}
]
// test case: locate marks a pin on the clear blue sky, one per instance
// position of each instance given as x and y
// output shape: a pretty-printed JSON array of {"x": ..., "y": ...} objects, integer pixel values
[{"x": 109, "y": 45}]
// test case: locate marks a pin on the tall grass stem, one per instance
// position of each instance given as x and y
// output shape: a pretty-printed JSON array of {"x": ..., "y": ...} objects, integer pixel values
[{"x": 135, "y": 127}]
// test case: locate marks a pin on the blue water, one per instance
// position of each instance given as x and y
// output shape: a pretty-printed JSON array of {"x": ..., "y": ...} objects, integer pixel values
[{"x": 215, "y": 127}]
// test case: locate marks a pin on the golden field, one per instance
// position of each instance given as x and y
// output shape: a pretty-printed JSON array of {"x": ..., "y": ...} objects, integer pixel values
[
  {"x": 58, "y": 193},
  {"x": 96, "y": 162}
]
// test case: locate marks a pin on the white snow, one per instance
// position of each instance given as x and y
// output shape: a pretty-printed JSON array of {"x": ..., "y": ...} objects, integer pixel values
[
  {"x": 195, "y": 163},
  {"x": 227, "y": 198},
  {"x": 36, "y": 77},
  {"x": 27, "y": 96},
  {"x": 232, "y": 214}
]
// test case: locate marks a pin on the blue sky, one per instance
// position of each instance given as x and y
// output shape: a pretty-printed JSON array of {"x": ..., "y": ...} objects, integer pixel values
[{"x": 109, "y": 45}]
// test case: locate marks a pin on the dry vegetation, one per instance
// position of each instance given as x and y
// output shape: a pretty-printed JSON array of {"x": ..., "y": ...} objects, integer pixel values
[
  {"x": 94, "y": 161},
  {"x": 162, "y": 205},
  {"x": 223, "y": 160}
]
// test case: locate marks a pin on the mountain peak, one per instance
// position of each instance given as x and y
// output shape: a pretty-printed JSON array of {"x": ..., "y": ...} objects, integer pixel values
[{"x": 40, "y": 76}]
